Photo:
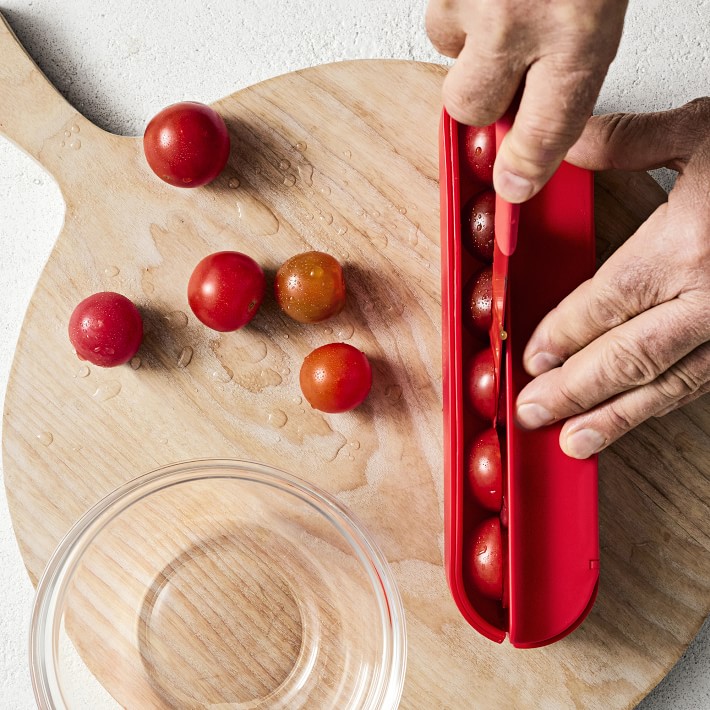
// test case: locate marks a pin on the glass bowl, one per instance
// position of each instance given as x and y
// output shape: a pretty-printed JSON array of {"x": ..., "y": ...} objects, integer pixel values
[{"x": 218, "y": 584}]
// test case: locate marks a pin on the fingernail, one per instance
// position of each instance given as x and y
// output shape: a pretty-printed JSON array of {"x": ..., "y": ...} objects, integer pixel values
[
  {"x": 542, "y": 362},
  {"x": 583, "y": 443},
  {"x": 513, "y": 188},
  {"x": 532, "y": 416}
]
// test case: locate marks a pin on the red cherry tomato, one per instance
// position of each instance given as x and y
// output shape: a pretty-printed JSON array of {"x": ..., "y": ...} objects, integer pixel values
[
  {"x": 478, "y": 301},
  {"x": 106, "y": 329},
  {"x": 484, "y": 558},
  {"x": 226, "y": 290},
  {"x": 187, "y": 144},
  {"x": 335, "y": 378},
  {"x": 479, "y": 152},
  {"x": 478, "y": 232},
  {"x": 310, "y": 287},
  {"x": 484, "y": 470},
  {"x": 480, "y": 384}
]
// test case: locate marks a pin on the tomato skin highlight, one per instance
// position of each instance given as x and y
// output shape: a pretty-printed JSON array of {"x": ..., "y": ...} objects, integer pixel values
[
  {"x": 225, "y": 290},
  {"x": 484, "y": 558},
  {"x": 335, "y": 378},
  {"x": 310, "y": 287},
  {"x": 187, "y": 144},
  {"x": 484, "y": 471},
  {"x": 479, "y": 153},
  {"x": 480, "y": 384},
  {"x": 106, "y": 329},
  {"x": 478, "y": 302},
  {"x": 478, "y": 225}
]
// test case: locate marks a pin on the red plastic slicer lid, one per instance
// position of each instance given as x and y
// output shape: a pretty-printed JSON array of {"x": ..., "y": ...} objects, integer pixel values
[{"x": 554, "y": 541}]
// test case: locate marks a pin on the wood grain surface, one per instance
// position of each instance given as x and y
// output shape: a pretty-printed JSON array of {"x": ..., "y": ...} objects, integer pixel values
[{"x": 340, "y": 158}]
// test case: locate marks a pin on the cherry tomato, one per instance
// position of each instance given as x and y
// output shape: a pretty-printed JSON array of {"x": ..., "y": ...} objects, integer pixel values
[
  {"x": 484, "y": 558},
  {"x": 478, "y": 301},
  {"x": 335, "y": 378},
  {"x": 310, "y": 287},
  {"x": 479, "y": 152},
  {"x": 484, "y": 471},
  {"x": 480, "y": 384},
  {"x": 106, "y": 329},
  {"x": 478, "y": 231},
  {"x": 187, "y": 144},
  {"x": 226, "y": 290}
]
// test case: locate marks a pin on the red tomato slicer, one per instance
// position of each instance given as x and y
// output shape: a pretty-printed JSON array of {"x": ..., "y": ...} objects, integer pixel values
[{"x": 521, "y": 519}]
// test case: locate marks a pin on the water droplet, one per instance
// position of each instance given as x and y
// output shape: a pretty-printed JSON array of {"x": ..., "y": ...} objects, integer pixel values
[
  {"x": 224, "y": 374},
  {"x": 325, "y": 190},
  {"x": 277, "y": 418},
  {"x": 255, "y": 352},
  {"x": 176, "y": 320},
  {"x": 233, "y": 183},
  {"x": 393, "y": 393},
  {"x": 284, "y": 164},
  {"x": 477, "y": 151},
  {"x": 301, "y": 146},
  {"x": 355, "y": 444},
  {"x": 345, "y": 254},
  {"x": 305, "y": 171},
  {"x": 45, "y": 438},
  {"x": 83, "y": 371},
  {"x": 347, "y": 154},
  {"x": 483, "y": 550},
  {"x": 375, "y": 213},
  {"x": 351, "y": 457},
  {"x": 37, "y": 181},
  {"x": 257, "y": 169},
  {"x": 286, "y": 336},
  {"x": 413, "y": 237},
  {"x": 67, "y": 134},
  {"x": 270, "y": 378},
  {"x": 327, "y": 330},
  {"x": 290, "y": 180},
  {"x": 342, "y": 230},
  {"x": 308, "y": 215},
  {"x": 107, "y": 391},
  {"x": 75, "y": 128},
  {"x": 75, "y": 143},
  {"x": 112, "y": 271},
  {"x": 136, "y": 363},
  {"x": 185, "y": 356},
  {"x": 297, "y": 400},
  {"x": 346, "y": 331},
  {"x": 379, "y": 238},
  {"x": 258, "y": 218},
  {"x": 326, "y": 217},
  {"x": 402, "y": 210},
  {"x": 285, "y": 371}
]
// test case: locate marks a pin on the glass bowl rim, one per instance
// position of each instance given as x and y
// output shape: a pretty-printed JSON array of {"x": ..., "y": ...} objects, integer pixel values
[{"x": 52, "y": 586}]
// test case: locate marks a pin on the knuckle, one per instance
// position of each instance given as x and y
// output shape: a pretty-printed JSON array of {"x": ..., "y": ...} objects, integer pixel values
[
  {"x": 464, "y": 104},
  {"x": 572, "y": 400},
  {"x": 604, "y": 311},
  {"x": 619, "y": 421},
  {"x": 540, "y": 140},
  {"x": 629, "y": 363},
  {"x": 687, "y": 376}
]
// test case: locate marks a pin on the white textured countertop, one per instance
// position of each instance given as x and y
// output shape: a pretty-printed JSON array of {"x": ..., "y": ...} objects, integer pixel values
[{"x": 120, "y": 62}]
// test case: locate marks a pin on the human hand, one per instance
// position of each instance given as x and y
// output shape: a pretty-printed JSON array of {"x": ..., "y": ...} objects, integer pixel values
[
  {"x": 560, "y": 50},
  {"x": 633, "y": 341}
]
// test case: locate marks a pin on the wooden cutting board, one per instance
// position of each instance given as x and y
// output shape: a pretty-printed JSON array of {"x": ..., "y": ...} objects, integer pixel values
[{"x": 341, "y": 158}]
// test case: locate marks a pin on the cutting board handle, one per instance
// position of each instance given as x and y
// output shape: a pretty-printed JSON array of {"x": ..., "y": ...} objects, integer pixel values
[{"x": 33, "y": 114}]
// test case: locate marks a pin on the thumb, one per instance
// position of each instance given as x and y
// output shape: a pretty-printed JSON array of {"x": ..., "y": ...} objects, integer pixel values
[{"x": 640, "y": 141}]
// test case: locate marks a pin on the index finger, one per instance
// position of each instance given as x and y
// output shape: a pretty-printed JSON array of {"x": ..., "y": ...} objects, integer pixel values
[{"x": 556, "y": 103}]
